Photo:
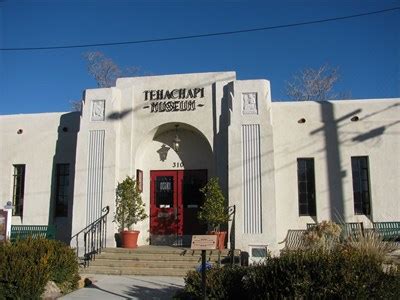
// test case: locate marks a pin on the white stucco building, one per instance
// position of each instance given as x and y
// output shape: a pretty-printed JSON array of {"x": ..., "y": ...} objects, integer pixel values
[{"x": 282, "y": 164}]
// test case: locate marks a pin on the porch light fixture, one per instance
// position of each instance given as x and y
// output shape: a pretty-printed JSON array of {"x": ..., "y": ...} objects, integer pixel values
[{"x": 176, "y": 142}]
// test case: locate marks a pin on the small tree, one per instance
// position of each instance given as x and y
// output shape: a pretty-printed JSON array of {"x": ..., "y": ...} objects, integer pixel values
[
  {"x": 130, "y": 208},
  {"x": 214, "y": 211}
]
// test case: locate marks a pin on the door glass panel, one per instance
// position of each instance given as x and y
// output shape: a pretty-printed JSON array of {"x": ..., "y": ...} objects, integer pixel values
[
  {"x": 192, "y": 197},
  {"x": 164, "y": 191}
]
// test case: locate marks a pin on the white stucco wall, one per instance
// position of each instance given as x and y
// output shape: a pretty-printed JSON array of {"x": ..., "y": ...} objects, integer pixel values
[
  {"x": 331, "y": 138},
  {"x": 41, "y": 145},
  {"x": 266, "y": 237},
  {"x": 130, "y": 129}
]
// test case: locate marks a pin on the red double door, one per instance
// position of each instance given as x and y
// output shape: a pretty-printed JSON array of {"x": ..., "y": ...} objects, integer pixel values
[{"x": 175, "y": 200}]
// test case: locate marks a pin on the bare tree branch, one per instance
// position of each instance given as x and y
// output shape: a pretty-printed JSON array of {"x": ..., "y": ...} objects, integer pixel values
[
  {"x": 76, "y": 105},
  {"x": 104, "y": 70},
  {"x": 313, "y": 84}
]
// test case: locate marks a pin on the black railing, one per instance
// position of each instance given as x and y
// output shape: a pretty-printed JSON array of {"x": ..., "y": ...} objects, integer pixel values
[
  {"x": 232, "y": 213},
  {"x": 93, "y": 237}
]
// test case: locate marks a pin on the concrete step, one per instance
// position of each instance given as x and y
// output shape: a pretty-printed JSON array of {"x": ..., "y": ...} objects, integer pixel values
[
  {"x": 151, "y": 260},
  {"x": 154, "y": 257},
  {"x": 146, "y": 257},
  {"x": 144, "y": 264},
  {"x": 135, "y": 271},
  {"x": 165, "y": 250}
]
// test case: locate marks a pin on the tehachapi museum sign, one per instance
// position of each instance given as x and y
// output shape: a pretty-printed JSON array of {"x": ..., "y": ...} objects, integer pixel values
[{"x": 173, "y": 100}]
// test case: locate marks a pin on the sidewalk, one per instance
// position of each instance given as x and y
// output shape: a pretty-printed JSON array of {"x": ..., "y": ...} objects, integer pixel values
[{"x": 128, "y": 287}]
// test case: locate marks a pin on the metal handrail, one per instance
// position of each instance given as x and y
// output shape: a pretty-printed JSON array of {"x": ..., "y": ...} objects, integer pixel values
[
  {"x": 94, "y": 238},
  {"x": 232, "y": 212}
]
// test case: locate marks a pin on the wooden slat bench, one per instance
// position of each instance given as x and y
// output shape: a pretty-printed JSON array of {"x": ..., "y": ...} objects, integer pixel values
[
  {"x": 294, "y": 240},
  {"x": 35, "y": 231},
  {"x": 389, "y": 231}
]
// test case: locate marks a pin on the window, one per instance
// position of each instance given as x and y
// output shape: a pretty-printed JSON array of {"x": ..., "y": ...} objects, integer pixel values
[
  {"x": 165, "y": 191},
  {"x": 361, "y": 191},
  {"x": 18, "y": 189},
  {"x": 306, "y": 186},
  {"x": 62, "y": 187}
]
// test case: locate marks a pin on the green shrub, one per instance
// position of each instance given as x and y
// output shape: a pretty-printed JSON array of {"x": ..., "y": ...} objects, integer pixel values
[
  {"x": 27, "y": 265},
  {"x": 62, "y": 261},
  {"x": 222, "y": 283},
  {"x": 214, "y": 210},
  {"x": 341, "y": 273},
  {"x": 23, "y": 274}
]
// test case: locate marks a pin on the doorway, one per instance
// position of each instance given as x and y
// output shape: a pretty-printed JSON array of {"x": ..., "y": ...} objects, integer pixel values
[{"x": 175, "y": 199}]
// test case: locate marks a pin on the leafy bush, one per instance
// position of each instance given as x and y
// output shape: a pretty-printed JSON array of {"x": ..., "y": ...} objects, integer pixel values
[
  {"x": 62, "y": 261},
  {"x": 214, "y": 210},
  {"x": 130, "y": 208},
  {"x": 23, "y": 274},
  {"x": 342, "y": 273},
  {"x": 27, "y": 265},
  {"x": 222, "y": 283}
]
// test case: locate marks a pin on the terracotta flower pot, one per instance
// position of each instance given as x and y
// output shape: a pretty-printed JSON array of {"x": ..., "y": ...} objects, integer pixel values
[
  {"x": 129, "y": 238},
  {"x": 221, "y": 237}
]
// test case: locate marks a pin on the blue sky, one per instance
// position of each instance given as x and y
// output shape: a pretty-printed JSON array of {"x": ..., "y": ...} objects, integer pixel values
[{"x": 366, "y": 49}]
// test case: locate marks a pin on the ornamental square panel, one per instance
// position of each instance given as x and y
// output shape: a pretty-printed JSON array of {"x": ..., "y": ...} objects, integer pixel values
[{"x": 249, "y": 104}]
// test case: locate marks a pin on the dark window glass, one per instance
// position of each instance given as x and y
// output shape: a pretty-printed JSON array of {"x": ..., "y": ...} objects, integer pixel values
[
  {"x": 193, "y": 181},
  {"x": 306, "y": 186},
  {"x": 62, "y": 187},
  {"x": 259, "y": 252},
  {"x": 165, "y": 191},
  {"x": 18, "y": 189},
  {"x": 361, "y": 190}
]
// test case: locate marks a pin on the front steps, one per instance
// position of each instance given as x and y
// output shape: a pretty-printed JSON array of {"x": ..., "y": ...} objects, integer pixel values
[{"x": 152, "y": 260}]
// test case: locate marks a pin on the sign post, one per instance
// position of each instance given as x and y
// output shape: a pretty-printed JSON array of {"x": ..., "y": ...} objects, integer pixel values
[
  {"x": 8, "y": 208},
  {"x": 3, "y": 225},
  {"x": 203, "y": 243}
]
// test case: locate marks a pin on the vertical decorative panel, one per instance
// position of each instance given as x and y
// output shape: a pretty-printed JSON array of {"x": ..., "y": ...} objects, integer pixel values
[
  {"x": 252, "y": 179},
  {"x": 95, "y": 175}
]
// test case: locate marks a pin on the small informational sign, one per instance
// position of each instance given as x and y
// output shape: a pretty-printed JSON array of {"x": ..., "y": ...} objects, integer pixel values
[
  {"x": 3, "y": 225},
  {"x": 204, "y": 242},
  {"x": 139, "y": 180},
  {"x": 162, "y": 214}
]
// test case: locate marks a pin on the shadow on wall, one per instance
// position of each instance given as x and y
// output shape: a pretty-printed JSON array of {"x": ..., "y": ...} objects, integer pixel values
[
  {"x": 116, "y": 115},
  {"x": 330, "y": 131},
  {"x": 221, "y": 142},
  {"x": 333, "y": 160},
  {"x": 194, "y": 146},
  {"x": 63, "y": 175}
]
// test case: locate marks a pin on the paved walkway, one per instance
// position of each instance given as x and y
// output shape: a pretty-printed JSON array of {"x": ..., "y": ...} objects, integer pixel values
[{"x": 128, "y": 287}]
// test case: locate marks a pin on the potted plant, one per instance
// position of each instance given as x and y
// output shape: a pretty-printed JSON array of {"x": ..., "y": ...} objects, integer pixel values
[
  {"x": 214, "y": 210},
  {"x": 130, "y": 209}
]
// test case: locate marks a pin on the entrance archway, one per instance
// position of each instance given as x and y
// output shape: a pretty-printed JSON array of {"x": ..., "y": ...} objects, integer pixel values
[{"x": 172, "y": 181}]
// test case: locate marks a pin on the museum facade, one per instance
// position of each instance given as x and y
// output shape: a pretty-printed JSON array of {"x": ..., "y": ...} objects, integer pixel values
[{"x": 281, "y": 164}]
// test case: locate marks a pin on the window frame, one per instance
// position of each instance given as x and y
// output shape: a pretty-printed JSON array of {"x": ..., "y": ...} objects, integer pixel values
[
  {"x": 310, "y": 196},
  {"x": 365, "y": 201},
  {"x": 18, "y": 189},
  {"x": 62, "y": 194}
]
